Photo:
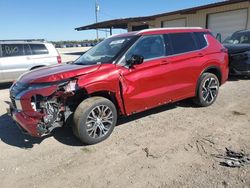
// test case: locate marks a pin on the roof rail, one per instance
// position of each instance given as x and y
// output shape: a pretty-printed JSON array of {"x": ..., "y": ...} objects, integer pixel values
[{"x": 23, "y": 40}]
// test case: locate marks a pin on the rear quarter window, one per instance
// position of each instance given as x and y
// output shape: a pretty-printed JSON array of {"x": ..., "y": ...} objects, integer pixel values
[
  {"x": 182, "y": 42},
  {"x": 10, "y": 50},
  {"x": 38, "y": 49},
  {"x": 201, "y": 40}
]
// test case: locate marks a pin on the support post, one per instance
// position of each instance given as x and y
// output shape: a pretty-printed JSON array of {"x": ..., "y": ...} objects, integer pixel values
[{"x": 110, "y": 31}]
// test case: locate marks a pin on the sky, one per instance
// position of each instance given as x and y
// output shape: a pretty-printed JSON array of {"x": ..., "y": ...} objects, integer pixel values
[{"x": 55, "y": 20}]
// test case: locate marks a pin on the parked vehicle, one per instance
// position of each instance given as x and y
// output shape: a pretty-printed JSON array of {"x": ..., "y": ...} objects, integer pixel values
[
  {"x": 238, "y": 46},
  {"x": 122, "y": 75},
  {"x": 20, "y": 56}
]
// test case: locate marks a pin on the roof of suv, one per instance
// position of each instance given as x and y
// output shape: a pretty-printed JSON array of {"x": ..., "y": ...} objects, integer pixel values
[
  {"x": 162, "y": 31},
  {"x": 29, "y": 41}
]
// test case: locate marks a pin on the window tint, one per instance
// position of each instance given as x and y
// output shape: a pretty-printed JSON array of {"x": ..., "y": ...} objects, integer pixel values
[
  {"x": 201, "y": 41},
  {"x": 9, "y": 50},
  {"x": 182, "y": 42},
  {"x": 147, "y": 46},
  {"x": 38, "y": 49}
]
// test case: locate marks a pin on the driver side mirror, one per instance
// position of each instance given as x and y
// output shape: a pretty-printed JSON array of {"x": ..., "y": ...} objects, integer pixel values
[{"x": 135, "y": 60}]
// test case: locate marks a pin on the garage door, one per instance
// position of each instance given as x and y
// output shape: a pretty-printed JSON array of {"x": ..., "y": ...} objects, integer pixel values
[
  {"x": 228, "y": 22},
  {"x": 174, "y": 23}
]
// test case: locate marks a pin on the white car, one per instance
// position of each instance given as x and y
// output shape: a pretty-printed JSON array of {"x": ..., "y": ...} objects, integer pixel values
[{"x": 20, "y": 56}]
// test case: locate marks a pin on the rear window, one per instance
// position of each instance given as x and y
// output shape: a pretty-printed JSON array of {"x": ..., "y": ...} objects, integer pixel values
[
  {"x": 38, "y": 49},
  {"x": 9, "y": 50},
  {"x": 201, "y": 41},
  {"x": 182, "y": 42}
]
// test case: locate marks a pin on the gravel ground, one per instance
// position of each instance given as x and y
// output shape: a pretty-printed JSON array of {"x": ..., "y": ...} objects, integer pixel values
[{"x": 170, "y": 146}]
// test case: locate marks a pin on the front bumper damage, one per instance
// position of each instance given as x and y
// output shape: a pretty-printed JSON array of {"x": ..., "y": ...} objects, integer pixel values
[
  {"x": 28, "y": 125},
  {"x": 39, "y": 109}
]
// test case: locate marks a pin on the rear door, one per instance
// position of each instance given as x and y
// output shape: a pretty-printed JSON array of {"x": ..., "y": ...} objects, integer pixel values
[
  {"x": 13, "y": 61},
  {"x": 185, "y": 64},
  {"x": 40, "y": 56}
]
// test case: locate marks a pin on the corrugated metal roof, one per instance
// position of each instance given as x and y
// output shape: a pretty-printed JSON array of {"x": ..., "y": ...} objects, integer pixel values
[
  {"x": 116, "y": 23},
  {"x": 123, "y": 22}
]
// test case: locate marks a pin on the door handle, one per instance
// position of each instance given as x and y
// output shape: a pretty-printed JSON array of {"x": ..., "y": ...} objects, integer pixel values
[{"x": 164, "y": 62}]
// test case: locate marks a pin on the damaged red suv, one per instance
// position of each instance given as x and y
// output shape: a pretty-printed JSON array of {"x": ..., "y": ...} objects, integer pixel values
[{"x": 122, "y": 75}]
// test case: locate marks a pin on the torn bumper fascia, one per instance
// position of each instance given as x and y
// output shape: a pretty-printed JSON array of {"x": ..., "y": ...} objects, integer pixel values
[{"x": 27, "y": 118}]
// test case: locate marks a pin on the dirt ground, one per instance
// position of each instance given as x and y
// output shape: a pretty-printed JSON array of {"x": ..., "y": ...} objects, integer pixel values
[{"x": 171, "y": 146}]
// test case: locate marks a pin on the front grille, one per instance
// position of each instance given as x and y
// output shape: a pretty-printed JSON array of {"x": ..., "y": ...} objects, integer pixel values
[{"x": 13, "y": 101}]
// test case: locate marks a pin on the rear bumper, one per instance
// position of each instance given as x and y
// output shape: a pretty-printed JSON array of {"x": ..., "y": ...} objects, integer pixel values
[{"x": 27, "y": 124}]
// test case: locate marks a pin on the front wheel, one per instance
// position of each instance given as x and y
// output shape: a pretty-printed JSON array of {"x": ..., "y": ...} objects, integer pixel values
[
  {"x": 207, "y": 91},
  {"x": 94, "y": 120}
]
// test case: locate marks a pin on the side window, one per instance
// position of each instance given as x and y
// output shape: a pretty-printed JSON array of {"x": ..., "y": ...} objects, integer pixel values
[
  {"x": 9, "y": 50},
  {"x": 147, "y": 46},
  {"x": 38, "y": 49},
  {"x": 182, "y": 42},
  {"x": 27, "y": 50},
  {"x": 168, "y": 47},
  {"x": 201, "y": 41}
]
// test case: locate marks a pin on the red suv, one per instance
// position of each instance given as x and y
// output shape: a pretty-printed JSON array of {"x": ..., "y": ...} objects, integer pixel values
[{"x": 122, "y": 75}]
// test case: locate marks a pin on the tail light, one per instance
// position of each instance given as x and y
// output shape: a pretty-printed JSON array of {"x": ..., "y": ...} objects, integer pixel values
[{"x": 59, "y": 59}]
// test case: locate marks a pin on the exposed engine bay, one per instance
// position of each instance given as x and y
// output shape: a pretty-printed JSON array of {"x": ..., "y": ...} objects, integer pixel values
[{"x": 56, "y": 108}]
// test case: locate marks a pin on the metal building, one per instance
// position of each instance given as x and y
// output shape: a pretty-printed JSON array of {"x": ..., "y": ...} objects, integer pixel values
[{"x": 223, "y": 17}]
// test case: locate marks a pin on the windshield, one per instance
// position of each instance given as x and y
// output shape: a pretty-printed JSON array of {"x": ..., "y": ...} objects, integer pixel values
[
  {"x": 105, "y": 52},
  {"x": 238, "y": 38}
]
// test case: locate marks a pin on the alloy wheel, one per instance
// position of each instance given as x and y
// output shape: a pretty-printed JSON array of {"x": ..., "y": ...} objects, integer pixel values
[
  {"x": 99, "y": 121},
  {"x": 210, "y": 90}
]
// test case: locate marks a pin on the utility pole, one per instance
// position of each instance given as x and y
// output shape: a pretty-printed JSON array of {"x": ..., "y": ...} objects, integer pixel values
[{"x": 97, "y": 9}]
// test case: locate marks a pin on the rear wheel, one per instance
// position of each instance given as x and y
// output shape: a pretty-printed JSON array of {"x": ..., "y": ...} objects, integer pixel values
[
  {"x": 207, "y": 90},
  {"x": 94, "y": 120}
]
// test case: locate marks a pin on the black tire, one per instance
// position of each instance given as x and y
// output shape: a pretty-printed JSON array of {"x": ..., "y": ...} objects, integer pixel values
[
  {"x": 206, "y": 95},
  {"x": 92, "y": 110}
]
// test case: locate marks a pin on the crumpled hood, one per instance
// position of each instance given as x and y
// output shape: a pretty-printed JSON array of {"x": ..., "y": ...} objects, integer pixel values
[
  {"x": 56, "y": 73},
  {"x": 237, "y": 48}
]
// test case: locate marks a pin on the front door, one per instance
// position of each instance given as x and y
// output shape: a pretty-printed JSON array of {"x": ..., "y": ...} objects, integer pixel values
[{"x": 145, "y": 86}]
